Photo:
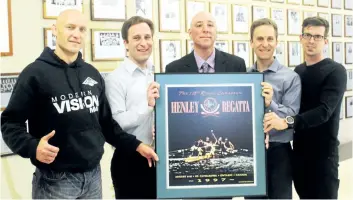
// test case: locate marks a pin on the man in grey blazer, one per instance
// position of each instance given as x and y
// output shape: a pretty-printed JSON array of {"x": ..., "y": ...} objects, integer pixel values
[{"x": 205, "y": 58}]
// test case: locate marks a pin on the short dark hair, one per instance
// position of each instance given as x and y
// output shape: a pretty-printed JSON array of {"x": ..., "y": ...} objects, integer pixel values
[
  {"x": 316, "y": 21},
  {"x": 260, "y": 22},
  {"x": 132, "y": 21}
]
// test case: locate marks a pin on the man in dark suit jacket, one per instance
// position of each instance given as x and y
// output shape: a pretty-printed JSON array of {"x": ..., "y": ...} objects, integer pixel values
[{"x": 203, "y": 33}]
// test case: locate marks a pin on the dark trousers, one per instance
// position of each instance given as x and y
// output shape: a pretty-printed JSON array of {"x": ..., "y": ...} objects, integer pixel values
[
  {"x": 316, "y": 178},
  {"x": 132, "y": 177},
  {"x": 278, "y": 172}
]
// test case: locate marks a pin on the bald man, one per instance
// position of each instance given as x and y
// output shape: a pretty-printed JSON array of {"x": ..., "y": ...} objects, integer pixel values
[
  {"x": 63, "y": 99},
  {"x": 205, "y": 58}
]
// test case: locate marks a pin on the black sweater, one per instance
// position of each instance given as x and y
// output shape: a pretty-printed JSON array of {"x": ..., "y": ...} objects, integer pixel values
[
  {"x": 317, "y": 124},
  {"x": 69, "y": 99}
]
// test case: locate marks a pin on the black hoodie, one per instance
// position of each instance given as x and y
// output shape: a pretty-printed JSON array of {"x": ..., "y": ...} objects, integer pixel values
[{"x": 69, "y": 99}]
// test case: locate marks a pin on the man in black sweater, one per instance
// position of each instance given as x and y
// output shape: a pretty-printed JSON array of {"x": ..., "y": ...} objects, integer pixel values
[{"x": 315, "y": 142}]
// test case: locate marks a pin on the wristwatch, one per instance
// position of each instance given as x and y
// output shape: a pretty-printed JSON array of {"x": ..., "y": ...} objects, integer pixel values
[{"x": 290, "y": 121}]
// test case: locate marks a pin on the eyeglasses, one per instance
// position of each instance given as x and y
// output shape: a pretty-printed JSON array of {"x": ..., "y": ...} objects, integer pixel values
[{"x": 308, "y": 36}]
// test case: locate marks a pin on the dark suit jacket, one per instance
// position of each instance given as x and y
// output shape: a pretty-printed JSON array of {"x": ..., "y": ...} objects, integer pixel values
[{"x": 224, "y": 62}]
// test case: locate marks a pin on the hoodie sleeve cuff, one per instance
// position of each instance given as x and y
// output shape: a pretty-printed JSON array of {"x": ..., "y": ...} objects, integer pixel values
[{"x": 32, "y": 147}]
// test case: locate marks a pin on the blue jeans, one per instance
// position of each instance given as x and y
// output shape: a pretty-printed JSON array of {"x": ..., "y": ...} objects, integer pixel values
[{"x": 47, "y": 184}]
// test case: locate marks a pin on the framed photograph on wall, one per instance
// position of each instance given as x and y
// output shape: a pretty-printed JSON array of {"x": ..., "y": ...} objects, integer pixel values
[
  {"x": 337, "y": 52},
  {"x": 170, "y": 51},
  {"x": 8, "y": 81},
  {"x": 192, "y": 8},
  {"x": 324, "y": 15},
  {"x": 5, "y": 28},
  {"x": 240, "y": 15},
  {"x": 293, "y": 2},
  {"x": 323, "y": 3},
  {"x": 169, "y": 16},
  {"x": 349, "y": 106},
  {"x": 52, "y": 8},
  {"x": 220, "y": 13},
  {"x": 307, "y": 14},
  {"x": 242, "y": 49},
  {"x": 348, "y": 25},
  {"x": 112, "y": 10},
  {"x": 348, "y": 4},
  {"x": 294, "y": 54},
  {"x": 279, "y": 16},
  {"x": 309, "y": 2},
  {"x": 342, "y": 110},
  {"x": 280, "y": 52},
  {"x": 222, "y": 45},
  {"x": 349, "y": 53},
  {"x": 189, "y": 46},
  {"x": 49, "y": 38},
  {"x": 107, "y": 45},
  {"x": 259, "y": 12},
  {"x": 144, "y": 8},
  {"x": 294, "y": 22},
  {"x": 326, "y": 51},
  {"x": 349, "y": 80},
  {"x": 337, "y": 4},
  {"x": 277, "y": 1},
  {"x": 337, "y": 25}
]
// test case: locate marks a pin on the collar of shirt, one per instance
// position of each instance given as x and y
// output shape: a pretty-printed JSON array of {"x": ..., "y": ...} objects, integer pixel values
[
  {"x": 210, "y": 60},
  {"x": 274, "y": 67},
  {"x": 131, "y": 67}
]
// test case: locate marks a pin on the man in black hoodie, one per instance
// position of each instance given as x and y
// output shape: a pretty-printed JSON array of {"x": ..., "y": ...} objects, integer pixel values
[{"x": 64, "y": 96}]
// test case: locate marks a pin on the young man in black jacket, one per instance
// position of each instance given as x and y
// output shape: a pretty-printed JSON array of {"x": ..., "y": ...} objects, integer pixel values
[
  {"x": 64, "y": 96},
  {"x": 315, "y": 142}
]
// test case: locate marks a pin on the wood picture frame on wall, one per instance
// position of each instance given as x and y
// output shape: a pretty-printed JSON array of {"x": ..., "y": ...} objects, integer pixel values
[
  {"x": 112, "y": 10},
  {"x": 240, "y": 17},
  {"x": 294, "y": 53},
  {"x": 107, "y": 45},
  {"x": 52, "y": 8},
  {"x": 349, "y": 52},
  {"x": 293, "y": 22},
  {"x": 144, "y": 8},
  {"x": 336, "y": 4},
  {"x": 309, "y": 2},
  {"x": 170, "y": 50},
  {"x": 170, "y": 16},
  {"x": 323, "y": 3},
  {"x": 348, "y": 4},
  {"x": 220, "y": 13},
  {"x": 336, "y": 21},
  {"x": 349, "y": 106},
  {"x": 6, "y": 48},
  {"x": 348, "y": 25}
]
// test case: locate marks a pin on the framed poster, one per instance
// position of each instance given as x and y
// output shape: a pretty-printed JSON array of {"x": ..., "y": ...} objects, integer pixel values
[
  {"x": 209, "y": 137},
  {"x": 107, "y": 44},
  {"x": 112, "y": 10},
  {"x": 220, "y": 13},
  {"x": 348, "y": 25},
  {"x": 192, "y": 8},
  {"x": 240, "y": 15},
  {"x": 242, "y": 49},
  {"x": 349, "y": 80},
  {"x": 280, "y": 52},
  {"x": 323, "y": 3},
  {"x": 349, "y": 106},
  {"x": 337, "y": 52},
  {"x": 170, "y": 51},
  {"x": 169, "y": 16},
  {"x": 5, "y": 28},
  {"x": 259, "y": 12},
  {"x": 309, "y": 2},
  {"x": 337, "y": 25},
  {"x": 294, "y": 54},
  {"x": 222, "y": 45},
  {"x": 349, "y": 53},
  {"x": 294, "y": 22},
  {"x": 348, "y": 4},
  {"x": 278, "y": 15},
  {"x": 336, "y": 4},
  {"x": 144, "y": 8},
  {"x": 52, "y": 8}
]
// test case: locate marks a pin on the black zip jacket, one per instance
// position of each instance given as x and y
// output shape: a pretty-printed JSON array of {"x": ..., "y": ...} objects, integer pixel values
[{"x": 69, "y": 99}]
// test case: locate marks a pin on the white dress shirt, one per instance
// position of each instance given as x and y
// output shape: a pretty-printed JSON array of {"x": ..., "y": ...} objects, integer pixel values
[{"x": 126, "y": 90}]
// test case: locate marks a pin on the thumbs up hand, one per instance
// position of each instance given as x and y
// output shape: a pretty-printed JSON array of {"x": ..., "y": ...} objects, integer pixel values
[{"x": 46, "y": 153}]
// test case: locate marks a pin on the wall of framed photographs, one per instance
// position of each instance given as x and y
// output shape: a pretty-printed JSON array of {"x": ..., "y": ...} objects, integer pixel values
[{"x": 26, "y": 32}]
